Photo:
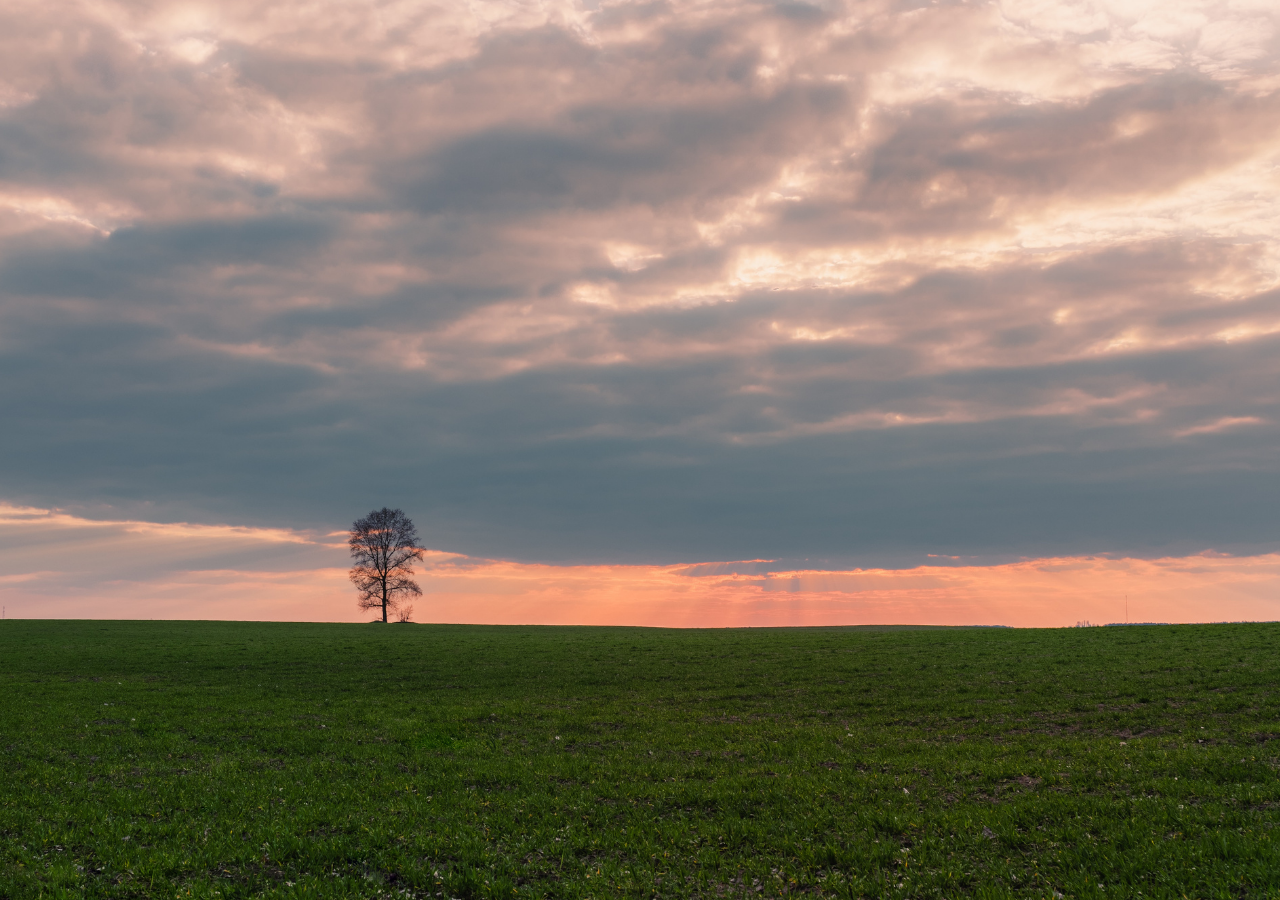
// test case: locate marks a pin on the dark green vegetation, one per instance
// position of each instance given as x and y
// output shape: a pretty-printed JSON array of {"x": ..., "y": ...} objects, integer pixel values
[{"x": 236, "y": 760}]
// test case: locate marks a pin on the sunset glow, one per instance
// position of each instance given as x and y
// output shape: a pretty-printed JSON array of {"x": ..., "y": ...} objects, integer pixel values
[{"x": 755, "y": 593}]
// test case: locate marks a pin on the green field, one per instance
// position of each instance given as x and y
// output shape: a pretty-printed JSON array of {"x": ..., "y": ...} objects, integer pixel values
[{"x": 234, "y": 759}]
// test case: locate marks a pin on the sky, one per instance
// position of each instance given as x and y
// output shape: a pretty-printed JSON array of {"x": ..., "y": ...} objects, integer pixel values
[{"x": 702, "y": 313}]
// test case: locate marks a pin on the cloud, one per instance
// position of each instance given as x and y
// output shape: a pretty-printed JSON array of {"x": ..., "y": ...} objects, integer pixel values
[
  {"x": 40, "y": 542},
  {"x": 1221, "y": 424},
  {"x": 644, "y": 283}
]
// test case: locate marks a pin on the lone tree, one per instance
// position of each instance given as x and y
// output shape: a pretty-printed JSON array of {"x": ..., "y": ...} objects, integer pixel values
[{"x": 384, "y": 545}]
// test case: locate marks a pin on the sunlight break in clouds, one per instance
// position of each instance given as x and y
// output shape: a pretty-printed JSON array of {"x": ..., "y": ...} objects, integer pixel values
[
  {"x": 103, "y": 569},
  {"x": 621, "y": 284}
]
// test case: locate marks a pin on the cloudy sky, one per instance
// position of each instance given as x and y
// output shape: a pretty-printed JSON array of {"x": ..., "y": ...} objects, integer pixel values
[{"x": 664, "y": 313}]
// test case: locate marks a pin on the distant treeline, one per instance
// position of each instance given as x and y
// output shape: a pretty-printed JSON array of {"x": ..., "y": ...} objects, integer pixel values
[{"x": 1087, "y": 624}]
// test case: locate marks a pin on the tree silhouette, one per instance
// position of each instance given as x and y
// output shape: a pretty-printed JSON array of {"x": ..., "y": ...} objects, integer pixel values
[{"x": 384, "y": 545}]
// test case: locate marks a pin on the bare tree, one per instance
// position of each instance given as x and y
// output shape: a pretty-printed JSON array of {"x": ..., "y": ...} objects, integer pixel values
[{"x": 384, "y": 545}]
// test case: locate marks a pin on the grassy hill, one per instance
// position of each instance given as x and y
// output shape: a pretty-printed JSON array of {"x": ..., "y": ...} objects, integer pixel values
[{"x": 175, "y": 759}]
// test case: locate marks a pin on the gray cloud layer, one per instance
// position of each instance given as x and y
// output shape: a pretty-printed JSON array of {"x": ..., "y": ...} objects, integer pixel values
[{"x": 650, "y": 282}]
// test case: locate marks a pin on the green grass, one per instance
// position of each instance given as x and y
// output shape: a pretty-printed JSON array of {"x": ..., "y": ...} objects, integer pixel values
[{"x": 235, "y": 760}]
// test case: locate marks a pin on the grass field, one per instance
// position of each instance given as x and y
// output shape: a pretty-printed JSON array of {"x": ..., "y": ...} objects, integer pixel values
[{"x": 236, "y": 760}]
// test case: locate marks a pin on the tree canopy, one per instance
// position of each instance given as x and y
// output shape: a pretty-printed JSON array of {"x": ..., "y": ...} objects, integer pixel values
[{"x": 384, "y": 545}]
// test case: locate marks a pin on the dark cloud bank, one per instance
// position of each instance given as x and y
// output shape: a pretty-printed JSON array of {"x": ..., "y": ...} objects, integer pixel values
[{"x": 643, "y": 284}]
